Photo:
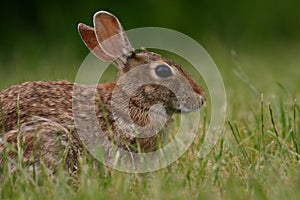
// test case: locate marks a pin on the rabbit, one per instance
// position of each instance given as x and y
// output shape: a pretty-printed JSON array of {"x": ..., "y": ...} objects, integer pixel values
[{"x": 38, "y": 117}]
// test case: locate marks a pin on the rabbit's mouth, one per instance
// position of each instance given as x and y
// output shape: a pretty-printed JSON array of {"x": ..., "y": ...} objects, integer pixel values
[
  {"x": 190, "y": 106},
  {"x": 185, "y": 110}
]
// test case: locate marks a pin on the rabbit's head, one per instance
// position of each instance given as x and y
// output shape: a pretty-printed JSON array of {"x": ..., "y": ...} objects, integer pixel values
[{"x": 150, "y": 78}]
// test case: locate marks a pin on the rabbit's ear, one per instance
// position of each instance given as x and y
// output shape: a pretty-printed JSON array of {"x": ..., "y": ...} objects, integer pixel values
[
  {"x": 87, "y": 34},
  {"x": 108, "y": 26}
]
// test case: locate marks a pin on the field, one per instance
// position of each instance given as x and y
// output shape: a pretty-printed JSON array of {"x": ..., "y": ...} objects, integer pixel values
[
  {"x": 258, "y": 153},
  {"x": 257, "y": 156}
]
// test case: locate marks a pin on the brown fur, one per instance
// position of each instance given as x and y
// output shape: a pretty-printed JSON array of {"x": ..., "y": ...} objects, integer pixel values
[{"x": 41, "y": 113}]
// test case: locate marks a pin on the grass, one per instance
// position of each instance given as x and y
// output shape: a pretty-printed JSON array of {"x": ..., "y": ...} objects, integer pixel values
[{"x": 257, "y": 156}]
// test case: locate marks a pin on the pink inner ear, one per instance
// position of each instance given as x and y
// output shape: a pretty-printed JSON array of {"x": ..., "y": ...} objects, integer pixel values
[
  {"x": 106, "y": 26},
  {"x": 110, "y": 33},
  {"x": 87, "y": 34}
]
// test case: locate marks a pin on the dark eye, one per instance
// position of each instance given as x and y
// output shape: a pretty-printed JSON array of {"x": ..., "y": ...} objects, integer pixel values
[{"x": 163, "y": 71}]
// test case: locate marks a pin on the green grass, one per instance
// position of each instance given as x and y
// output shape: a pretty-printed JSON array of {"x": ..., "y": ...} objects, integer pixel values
[{"x": 257, "y": 156}]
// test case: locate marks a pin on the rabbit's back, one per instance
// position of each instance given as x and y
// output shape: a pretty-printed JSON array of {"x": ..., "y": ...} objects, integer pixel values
[{"x": 50, "y": 100}]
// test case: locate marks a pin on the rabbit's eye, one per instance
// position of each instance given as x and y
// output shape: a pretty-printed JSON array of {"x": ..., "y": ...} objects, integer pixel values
[{"x": 163, "y": 71}]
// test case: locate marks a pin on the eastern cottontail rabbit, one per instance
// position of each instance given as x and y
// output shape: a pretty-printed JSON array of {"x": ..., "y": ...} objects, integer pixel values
[{"x": 38, "y": 116}]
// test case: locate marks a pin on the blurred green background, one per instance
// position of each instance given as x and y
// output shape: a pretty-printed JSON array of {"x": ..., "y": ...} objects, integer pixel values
[{"x": 253, "y": 42}]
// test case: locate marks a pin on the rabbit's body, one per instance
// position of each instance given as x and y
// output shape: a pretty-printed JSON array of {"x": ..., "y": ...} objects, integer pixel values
[
  {"x": 44, "y": 112},
  {"x": 41, "y": 112},
  {"x": 45, "y": 118}
]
